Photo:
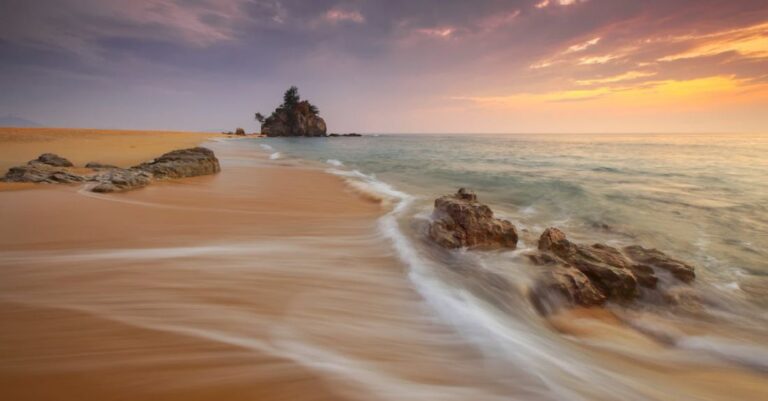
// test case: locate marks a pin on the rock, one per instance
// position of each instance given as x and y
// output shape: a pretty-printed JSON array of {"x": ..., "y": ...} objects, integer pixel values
[
  {"x": 54, "y": 160},
  {"x": 655, "y": 258},
  {"x": 293, "y": 122},
  {"x": 182, "y": 163},
  {"x": 48, "y": 168},
  {"x": 615, "y": 275},
  {"x": 240, "y": 132},
  {"x": 566, "y": 284},
  {"x": 121, "y": 179},
  {"x": 295, "y": 117},
  {"x": 99, "y": 166},
  {"x": 461, "y": 221},
  {"x": 604, "y": 266}
]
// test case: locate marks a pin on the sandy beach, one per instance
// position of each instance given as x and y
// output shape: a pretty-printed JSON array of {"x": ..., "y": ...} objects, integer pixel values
[{"x": 269, "y": 280}]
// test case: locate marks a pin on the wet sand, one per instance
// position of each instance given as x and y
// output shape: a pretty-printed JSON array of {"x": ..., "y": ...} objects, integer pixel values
[{"x": 261, "y": 282}]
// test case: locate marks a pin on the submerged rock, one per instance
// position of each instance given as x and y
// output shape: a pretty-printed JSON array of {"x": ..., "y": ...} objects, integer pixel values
[
  {"x": 611, "y": 274},
  {"x": 182, "y": 163},
  {"x": 461, "y": 221},
  {"x": 48, "y": 168}
]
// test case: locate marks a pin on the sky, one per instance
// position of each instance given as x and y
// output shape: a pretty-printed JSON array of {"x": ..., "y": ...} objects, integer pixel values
[{"x": 390, "y": 66}]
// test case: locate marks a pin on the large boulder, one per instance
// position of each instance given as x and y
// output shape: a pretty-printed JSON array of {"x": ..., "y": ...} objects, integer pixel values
[
  {"x": 48, "y": 168},
  {"x": 611, "y": 274},
  {"x": 182, "y": 163},
  {"x": 459, "y": 220}
]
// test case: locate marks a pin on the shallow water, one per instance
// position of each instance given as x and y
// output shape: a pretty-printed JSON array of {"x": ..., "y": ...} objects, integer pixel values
[{"x": 270, "y": 281}]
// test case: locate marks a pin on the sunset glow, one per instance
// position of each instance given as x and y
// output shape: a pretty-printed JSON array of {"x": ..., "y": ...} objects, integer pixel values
[{"x": 442, "y": 67}]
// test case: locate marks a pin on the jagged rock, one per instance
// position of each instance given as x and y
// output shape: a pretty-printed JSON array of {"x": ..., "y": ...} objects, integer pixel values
[
  {"x": 610, "y": 274},
  {"x": 55, "y": 160},
  {"x": 99, "y": 166},
  {"x": 655, "y": 258},
  {"x": 182, "y": 163},
  {"x": 461, "y": 221},
  {"x": 48, "y": 168},
  {"x": 121, "y": 179}
]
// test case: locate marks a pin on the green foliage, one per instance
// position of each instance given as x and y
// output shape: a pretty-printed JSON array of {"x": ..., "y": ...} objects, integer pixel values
[
  {"x": 260, "y": 117},
  {"x": 313, "y": 109},
  {"x": 291, "y": 97}
]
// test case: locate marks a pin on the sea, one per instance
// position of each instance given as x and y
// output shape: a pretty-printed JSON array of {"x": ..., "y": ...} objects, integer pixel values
[{"x": 702, "y": 198}]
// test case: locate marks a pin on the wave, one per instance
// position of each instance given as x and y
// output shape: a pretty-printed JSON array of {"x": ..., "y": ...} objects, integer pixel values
[
  {"x": 513, "y": 341},
  {"x": 334, "y": 162},
  {"x": 266, "y": 147},
  {"x": 274, "y": 156}
]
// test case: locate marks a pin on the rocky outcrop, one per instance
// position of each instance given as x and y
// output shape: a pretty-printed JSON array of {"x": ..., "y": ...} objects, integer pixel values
[
  {"x": 459, "y": 220},
  {"x": 176, "y": 164},
  {"x": 593, "y": 274},
  {"x": 182, "y": 163},
  {"x": 297, "y": 120},
  {"x": 295, "y": 117},
  {"x": 48, "y": 168},
  {"x": 120, "y": 180},
  {"x": 240, "y": 132},
  {"x": 353, "y": 134},
  {"x": 55, "y": 160}
]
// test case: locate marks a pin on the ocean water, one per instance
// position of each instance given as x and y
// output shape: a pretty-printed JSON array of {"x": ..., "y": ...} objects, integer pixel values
[{"x": 701, "y": 198}]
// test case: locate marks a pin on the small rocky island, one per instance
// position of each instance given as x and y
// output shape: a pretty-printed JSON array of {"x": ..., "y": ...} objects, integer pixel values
[
  {"x": 295, "y": 117},
  {"x": 569, "y": 273},
  {"x": 53, "y": 169}
]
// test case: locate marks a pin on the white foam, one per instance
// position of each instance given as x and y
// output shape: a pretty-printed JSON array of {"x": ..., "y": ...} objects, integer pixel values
[
  {"x": 274, "y": 156},
  {"x": 266, "y": 147},
  {"x": 749, "y": 355},
  {"x": 334, "y": 162}
]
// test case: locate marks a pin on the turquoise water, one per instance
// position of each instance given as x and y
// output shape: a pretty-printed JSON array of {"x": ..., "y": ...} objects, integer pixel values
[{"x": 702, "y": 197}]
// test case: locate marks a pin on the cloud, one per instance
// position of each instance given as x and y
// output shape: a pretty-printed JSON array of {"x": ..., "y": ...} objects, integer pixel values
[
  {"x": 554, "y": 51},
  {"x": 336, "y": 16}
]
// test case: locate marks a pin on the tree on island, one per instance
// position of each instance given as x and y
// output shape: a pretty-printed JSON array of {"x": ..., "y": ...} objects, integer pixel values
[{"x": 294, "y": 117}]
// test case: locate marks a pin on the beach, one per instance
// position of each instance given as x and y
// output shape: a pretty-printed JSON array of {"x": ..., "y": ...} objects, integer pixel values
[{"x": 293, "y": 275}]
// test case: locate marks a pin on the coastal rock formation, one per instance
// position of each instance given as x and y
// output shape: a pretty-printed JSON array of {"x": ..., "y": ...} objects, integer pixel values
[
  {"x": 461, "y": 221},
  {"x": 182, "y": 163},
  {"x": 296, "y": 121},
  {"x": 55, "y": 160},
  {"x": 121, "y": 179},
  {"x": 240, "y": 132},
  {"x": 48, "y": 168},
  {"x": 295, "y": 117},
  {"x": 592, "y": 274}
]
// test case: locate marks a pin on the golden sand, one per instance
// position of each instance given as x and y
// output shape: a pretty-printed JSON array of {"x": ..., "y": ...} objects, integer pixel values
[{"x": 80, "y": 146}]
